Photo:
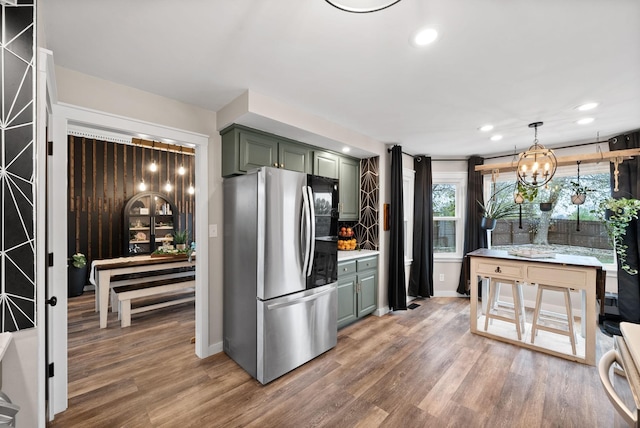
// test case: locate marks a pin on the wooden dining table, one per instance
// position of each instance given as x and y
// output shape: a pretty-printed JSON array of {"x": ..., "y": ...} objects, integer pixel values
[{"x": 102, "y": 272}]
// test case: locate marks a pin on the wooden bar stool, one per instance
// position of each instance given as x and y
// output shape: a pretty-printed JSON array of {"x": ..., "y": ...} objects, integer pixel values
[
  {"x": 536, "y": 315},
  {"x": 518, "y": 305}
]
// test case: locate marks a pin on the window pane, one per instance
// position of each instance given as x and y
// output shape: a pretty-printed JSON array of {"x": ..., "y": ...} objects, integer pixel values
[
  {"x": 444, "y": 236},
  {"x": 444, "y": 200}
]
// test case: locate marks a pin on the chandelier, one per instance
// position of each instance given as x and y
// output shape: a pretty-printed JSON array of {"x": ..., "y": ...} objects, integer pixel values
[
  {"x": 362, "y": 6},
  {"x": 537, "y": 165}
]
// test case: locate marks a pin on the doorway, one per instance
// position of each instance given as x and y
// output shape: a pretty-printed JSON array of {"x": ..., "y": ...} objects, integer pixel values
[{"x": 64, "y": 117}]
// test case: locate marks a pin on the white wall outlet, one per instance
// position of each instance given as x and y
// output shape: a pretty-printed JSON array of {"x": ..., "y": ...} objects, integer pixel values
[
  {"x": 441, "y": 277},
  {"x": 213, "y": 231}
]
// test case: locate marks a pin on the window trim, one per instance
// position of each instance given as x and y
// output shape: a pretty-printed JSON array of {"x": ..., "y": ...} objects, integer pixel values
[{"x": 458, "y": 179}]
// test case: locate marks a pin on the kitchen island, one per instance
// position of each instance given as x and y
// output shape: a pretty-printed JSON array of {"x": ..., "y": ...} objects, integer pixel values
[{"x": 565, "y": 271}]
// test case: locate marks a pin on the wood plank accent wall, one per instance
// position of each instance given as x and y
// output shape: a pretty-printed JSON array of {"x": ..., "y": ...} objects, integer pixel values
[{"x": 103, "y": 175}]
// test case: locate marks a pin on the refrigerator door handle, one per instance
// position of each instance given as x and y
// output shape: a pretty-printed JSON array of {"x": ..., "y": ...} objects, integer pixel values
[
  {"x": 300, "y": 300},
  {"x": 305, "y": 229},
  {"x": 312, "y": 238}
]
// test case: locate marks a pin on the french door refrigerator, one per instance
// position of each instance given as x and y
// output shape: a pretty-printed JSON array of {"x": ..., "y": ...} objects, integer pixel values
[{"x": 280, "y": 270}]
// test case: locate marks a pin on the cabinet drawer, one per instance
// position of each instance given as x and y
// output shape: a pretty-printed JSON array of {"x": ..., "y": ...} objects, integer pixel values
[
  {"x": 497, "y": 268},
  {"x": 557, "y": 276},
  {"x": 368, "y": 263},
  {"x": 345, "y": 268}
]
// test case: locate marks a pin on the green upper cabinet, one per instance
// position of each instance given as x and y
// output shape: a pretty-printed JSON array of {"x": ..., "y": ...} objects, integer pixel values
[
  {"x": 350, "y": 188},
  {"x": 326, "y": 164},
  {"x": 257, "y": 150},
  {"x": 244, "y": 149},
  {"x": 294, "y": 157},
  {"x": 347, "y": 170}
]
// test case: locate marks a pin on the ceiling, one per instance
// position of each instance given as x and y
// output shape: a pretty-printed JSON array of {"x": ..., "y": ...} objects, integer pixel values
[{"x": 507, "y": 63}]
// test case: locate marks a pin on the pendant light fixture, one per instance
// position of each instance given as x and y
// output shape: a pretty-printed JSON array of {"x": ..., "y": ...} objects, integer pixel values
[
  {"x": 142, "y": 186},
  {"x": 191, "y": 190},
  {"x": 153, "y": 167},
  {"x": 168, "y": 187},
  {"x": 362, "y": 6},
  {"x": 537, "y": 165},
  {"x": 181, "y": 169}
]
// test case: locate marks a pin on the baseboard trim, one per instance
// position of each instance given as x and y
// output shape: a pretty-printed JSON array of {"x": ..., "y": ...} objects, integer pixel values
[{"x": 214, "y": 348}]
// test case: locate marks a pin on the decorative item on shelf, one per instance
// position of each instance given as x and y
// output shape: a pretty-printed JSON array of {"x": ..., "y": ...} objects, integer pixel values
[
  {"x": 180, "y": 238},
  {"x": 616, "y": 214},
  {"x": 346, "y": 239},
  {"x": 536, "y": 166},
  {"x": 77, "y": 275},
  {"x": 362, "y": 6}
]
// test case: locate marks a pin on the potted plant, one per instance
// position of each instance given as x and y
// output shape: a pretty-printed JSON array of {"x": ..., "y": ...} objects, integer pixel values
[
  {"x": 616, "y": 214},
  {"x": 494, "y": 209},
  {"x": 180, "y": 238},
  {"x": 525, "y": 193},
  {"x": 579, "y": 193},
  {"x": 77, "y": 275}
]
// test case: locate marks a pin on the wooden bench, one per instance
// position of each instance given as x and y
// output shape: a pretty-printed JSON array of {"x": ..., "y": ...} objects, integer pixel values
[
  {"x": 150, "y": 288},
  {"x": 140, "y": 277}
]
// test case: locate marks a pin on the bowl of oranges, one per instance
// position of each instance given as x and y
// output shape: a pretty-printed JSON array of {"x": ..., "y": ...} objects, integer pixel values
[{"x": 346, "y": 240}]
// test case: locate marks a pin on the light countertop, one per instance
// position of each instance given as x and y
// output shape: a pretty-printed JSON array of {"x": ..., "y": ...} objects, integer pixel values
[{"x": 355, "y": 254}]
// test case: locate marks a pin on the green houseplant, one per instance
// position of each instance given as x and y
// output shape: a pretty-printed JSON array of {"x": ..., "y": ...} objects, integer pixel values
[
  {"x": 616, "y": 214},
  {"x": 496, "y": 207},
  {"x": 77, "y": 275},
  {"x": 180, "y": 238},
  {"x": 579, "y": 195}
]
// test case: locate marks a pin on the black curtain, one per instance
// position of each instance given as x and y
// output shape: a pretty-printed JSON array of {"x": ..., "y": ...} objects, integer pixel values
[
  {"x": 474, "y": 236},
  {"x": 421, "y": 277},
  {"x": 628, "y": 187},
  {"x": 396, "y": 285}
]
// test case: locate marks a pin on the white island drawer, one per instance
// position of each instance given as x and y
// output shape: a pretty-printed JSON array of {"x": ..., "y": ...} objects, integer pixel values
[{"x": 501, "y": 269}]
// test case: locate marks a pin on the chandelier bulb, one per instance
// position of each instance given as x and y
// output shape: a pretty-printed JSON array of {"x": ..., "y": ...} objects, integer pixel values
[
  {"x": 191, "y": 189},
  {"x": 181, "y": 170},
  {"x": 153, "y": 167},
  {"x": 142, "y": 186}
]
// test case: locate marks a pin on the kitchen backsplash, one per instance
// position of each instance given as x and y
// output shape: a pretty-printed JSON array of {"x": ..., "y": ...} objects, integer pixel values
[{"x": 366, "y": 230}]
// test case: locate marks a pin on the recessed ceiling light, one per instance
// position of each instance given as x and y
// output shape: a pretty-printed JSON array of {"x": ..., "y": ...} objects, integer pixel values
[
  {"x": 346, "y": 149},
  {"x": 486, "y": 128},
  {"x": 585, "y": 121},
  {"x": 587, "y": 106},
  {"x": 424, "y": 37},
  {"x": 496, "y": 137}
]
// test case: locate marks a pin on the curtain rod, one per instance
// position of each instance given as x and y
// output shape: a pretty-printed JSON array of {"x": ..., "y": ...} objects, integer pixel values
[{"x": 556, "y": 148}]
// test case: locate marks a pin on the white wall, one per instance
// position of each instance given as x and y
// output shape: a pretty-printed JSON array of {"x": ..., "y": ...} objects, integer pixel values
[{"x": 19, "y": 368}]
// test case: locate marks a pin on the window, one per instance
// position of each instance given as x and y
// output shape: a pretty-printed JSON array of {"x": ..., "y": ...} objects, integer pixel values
[
  {"x": 448, "y": 196},
  {"x": 557, "y": 227}
]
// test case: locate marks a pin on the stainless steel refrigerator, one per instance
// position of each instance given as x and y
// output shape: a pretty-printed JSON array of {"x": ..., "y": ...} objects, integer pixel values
[{"x": 280, "y": 270}]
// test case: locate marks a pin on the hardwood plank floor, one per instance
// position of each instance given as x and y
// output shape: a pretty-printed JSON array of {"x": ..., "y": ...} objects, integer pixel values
[{"x": 411, "y": 368}]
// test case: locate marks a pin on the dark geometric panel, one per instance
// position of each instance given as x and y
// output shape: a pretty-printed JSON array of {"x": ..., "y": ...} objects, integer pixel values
[
  {"x": 17, "y": 85},
  {"x": 18, "y": 215},
  {"x": 19, "y": 151},
  {"x": 17, "y": 246}
]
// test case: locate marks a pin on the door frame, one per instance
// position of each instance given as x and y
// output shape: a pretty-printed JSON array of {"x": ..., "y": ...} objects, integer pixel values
[{"x": 63, "y": 116}]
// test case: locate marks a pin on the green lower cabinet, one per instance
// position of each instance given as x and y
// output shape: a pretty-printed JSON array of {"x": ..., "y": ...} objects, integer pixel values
[
  {"x": 357, "y": 289},
  {"x": 347, "y": 302},
  {"x": 367, "y": 296}
]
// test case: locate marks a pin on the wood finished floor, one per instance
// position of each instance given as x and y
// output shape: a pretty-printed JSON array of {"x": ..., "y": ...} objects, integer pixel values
[{"x": 413, "y": 368}]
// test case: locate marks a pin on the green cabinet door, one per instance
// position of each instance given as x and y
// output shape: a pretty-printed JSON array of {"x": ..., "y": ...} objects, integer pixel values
[
  {"x": 367, "y": 297},
  {"x": 326, "y": 164},
  {"x": 294, "y": 157},
  {"x": 347, "y": 304},
  {"x": 257, "y": 150},
  {"x": 349, "y": 189}
]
